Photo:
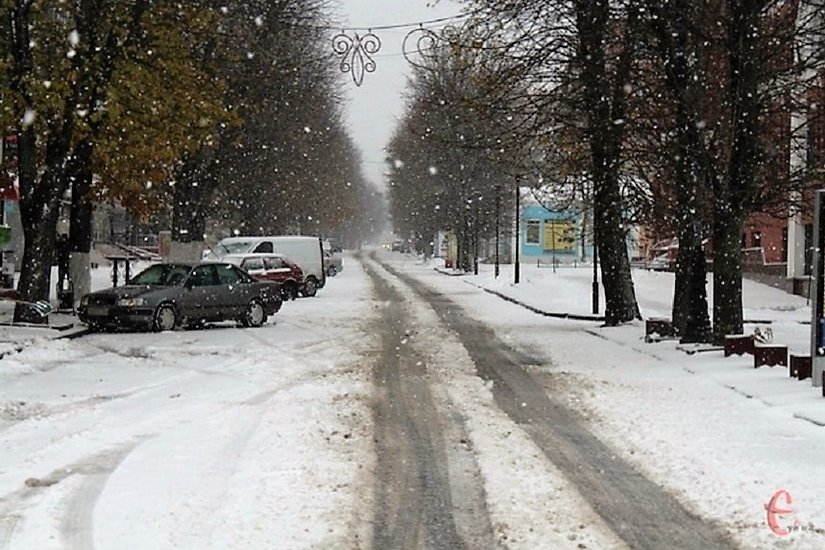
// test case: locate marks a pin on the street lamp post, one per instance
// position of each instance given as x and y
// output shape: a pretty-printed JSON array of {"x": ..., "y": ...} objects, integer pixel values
[
  {"x": 516, "y": 265},
  {"x": 595, "y": 270},
  {"x": 475, "y": 237},
  {"x": 498, "y": 213}
]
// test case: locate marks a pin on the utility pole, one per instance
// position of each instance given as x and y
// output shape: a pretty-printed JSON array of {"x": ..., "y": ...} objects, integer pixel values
[
  {"x": 498, "y": 214},
  {"x": 595, "y": 268},
  {"x": 516, "y": 265}
]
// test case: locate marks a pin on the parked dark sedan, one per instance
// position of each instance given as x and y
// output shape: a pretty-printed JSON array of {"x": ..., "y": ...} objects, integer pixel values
[{"x": 165, "y": 296}]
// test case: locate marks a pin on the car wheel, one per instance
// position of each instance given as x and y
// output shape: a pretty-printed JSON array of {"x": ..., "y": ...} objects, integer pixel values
[
  {"x": 332, "y": 272},
  {"x": 310, "y": 288},
  {"x": 166, "y": 318},
  {"x": 290, "y": 291},
  {"x": 254, "y": 316}
]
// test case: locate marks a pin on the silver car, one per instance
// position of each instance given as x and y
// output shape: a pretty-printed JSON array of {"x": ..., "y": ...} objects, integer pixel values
[
  {"x": 333, "y": 264},
  {"x": 165, "y": 296}
]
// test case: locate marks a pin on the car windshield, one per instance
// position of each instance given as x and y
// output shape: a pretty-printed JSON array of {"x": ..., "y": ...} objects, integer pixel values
[
  {"x": 236, "y": 247},
  {"x": 162, "y": 275}
]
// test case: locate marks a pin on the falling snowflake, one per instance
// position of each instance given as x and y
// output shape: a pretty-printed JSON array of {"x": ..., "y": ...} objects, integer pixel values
[{"x": 28, "y": 117}]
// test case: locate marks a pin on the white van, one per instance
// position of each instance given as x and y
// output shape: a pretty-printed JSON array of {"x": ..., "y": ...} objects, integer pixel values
[{"x": 305, "y": 251}]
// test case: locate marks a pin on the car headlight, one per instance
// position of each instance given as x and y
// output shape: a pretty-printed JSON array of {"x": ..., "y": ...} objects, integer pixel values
[{"x": 131, "y": 302}]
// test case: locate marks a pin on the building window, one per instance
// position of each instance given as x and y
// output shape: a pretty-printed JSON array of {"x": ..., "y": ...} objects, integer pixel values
[
  {"x": 559, "y": 235},
  {"x": 756, "y": 239},
  {"x": 532, "y": 234}
]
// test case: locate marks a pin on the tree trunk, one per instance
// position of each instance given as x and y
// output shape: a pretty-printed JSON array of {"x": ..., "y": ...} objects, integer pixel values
[
  {"x": 605, "y": 103},
  {"x": 691, "y": 318},
  {"x": 192, "y": 195},
  {"x": 39, "y": 211},
  {"x": 673, "y": 25},
  {"x": 80, "y": 224},
  {"x": 681, "y": 286},
  {"x": 35, "y": 276},
  {"x": 690, "y": 303},
  {"x": 734, "y": 195},
  {"x": 727, "y": 274},
  {"x": 620, "y": 296},
  {"x": 189, "y": 217},
  {"x": 465, "y": 246}
]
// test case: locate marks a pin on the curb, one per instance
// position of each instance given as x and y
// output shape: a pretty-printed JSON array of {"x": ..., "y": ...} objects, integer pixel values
[{"x": 557, "y": 315}]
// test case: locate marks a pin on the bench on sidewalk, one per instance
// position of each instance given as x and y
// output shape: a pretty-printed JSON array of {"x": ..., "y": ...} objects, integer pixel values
[
  {"x": 770, "y": 355},
  {"x": 738, "y": 344},
  {"x": 800, "y": 366},
  {"x": 658, "y": 326}
]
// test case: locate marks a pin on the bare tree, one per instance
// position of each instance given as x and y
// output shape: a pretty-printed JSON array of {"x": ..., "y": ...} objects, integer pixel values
[
  {"x": 75, "y": 50},
  {"x": 674, "y": 34},
  {"x": 574, "y": 61},
  {"x": 288, "y": 166},
  {"x": 732, "y": 82},
  {"x": 445, "y": 156}
]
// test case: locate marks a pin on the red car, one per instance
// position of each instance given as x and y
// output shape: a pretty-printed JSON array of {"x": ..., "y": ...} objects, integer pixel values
[{"x": 272, "y": 267}]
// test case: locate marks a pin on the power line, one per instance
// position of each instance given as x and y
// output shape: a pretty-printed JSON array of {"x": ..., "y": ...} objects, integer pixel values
[
  {"x": 358, "y": 51},
  {"x": 456, "y": 17}
]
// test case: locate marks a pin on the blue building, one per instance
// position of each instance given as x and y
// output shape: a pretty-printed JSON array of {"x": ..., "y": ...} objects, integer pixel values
[{"x": 545, "y": 235}]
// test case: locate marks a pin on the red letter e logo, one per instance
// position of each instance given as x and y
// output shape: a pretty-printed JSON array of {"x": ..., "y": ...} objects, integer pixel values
[{"x": 773, "y": 510}]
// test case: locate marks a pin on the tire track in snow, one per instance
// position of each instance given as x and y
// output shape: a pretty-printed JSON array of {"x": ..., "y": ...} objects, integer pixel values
[
  {"x": 76, "y": 526},
  {"x": 638, "y": 511},
  {"x": 8, "y": 522},
  {"x": 424, "y": 485}
]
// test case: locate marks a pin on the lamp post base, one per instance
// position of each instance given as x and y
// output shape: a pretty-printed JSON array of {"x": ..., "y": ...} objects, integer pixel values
[{"x": 595, "y": 297}]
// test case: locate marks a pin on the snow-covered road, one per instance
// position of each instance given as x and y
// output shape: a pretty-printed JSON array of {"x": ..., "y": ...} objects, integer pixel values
[{"x": 265, "y": 438}]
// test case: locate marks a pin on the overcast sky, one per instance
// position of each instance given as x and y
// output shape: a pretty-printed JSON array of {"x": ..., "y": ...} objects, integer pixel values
[{"x": 375, "y": 106}]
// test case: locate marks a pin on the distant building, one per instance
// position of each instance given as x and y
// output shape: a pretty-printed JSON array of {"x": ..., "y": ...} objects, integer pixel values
[{"x": 552, "y": 236}]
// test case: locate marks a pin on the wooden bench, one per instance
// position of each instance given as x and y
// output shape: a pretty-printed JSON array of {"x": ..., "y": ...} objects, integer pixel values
[
  {"x": 738, "y": 344},
  {"x": 8, "y": 294},
  {"x": 662, "y": 327},
  {"x": 770, "y": 355},
  {"x": 800, "y": 366}
]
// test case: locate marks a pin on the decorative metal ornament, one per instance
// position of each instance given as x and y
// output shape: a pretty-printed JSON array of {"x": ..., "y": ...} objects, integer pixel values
[
  {"x": 420, "y": 42},
  {"x": 422, "y": 46},
  {"x": 356, "y": 54}
]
